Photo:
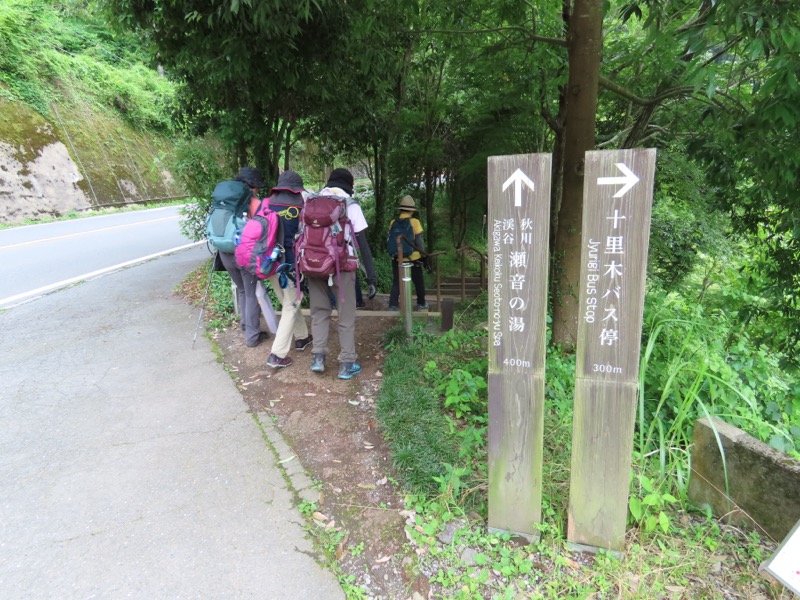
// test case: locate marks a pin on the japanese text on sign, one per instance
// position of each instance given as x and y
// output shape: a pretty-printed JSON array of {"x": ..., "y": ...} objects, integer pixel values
[{"x": 511, "y": 245}]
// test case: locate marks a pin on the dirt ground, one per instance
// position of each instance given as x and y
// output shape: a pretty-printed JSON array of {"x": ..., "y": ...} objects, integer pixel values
[{"x": 330, "y": 424}]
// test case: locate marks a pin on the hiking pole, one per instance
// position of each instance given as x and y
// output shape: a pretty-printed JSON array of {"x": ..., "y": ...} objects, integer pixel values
[{"x": 205, "y": 297}]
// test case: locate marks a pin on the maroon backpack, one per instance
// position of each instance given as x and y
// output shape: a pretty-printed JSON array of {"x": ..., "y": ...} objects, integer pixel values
[{"x": 321, "y": 249}]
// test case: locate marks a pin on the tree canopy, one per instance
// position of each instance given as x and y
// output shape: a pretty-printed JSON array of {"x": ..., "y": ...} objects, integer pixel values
[{"x": 425, "y": 91}]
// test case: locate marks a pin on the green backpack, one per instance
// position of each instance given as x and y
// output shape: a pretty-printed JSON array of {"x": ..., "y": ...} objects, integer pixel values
[{"x": 229, "y": 204}]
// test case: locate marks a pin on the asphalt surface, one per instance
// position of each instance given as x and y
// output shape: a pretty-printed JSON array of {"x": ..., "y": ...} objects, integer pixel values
[{"x": 130, "y": 466}]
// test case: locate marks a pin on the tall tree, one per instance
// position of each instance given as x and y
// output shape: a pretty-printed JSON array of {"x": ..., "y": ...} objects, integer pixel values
[
  {"x": 248, "y": 68},
  {"x": 584, "y": 44}
]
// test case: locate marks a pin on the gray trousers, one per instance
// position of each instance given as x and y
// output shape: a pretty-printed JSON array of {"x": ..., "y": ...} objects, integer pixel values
[
  {"x": 321, "y": 314},
  {"x": 249, "y": 310}
]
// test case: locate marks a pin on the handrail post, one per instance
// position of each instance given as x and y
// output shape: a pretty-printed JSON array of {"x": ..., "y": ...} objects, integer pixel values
[
  {"x": 438, "y": 284},
  {"x": 404, "y": 281},
  {"x": 463, "y": 275},
  {"x": 405, "y": 297}
]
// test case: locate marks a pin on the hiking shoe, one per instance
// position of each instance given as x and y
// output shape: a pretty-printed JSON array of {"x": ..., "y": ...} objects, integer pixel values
[
  {"x": 425, "y": 306},
  {"x": 261, "y": 337},
  {"x": 360, "y": 306},
  {"x": 349, "y": 370},
  {"x": 276, "y": 362},
  {"x": 301, "y": 345},
  {"x": 318, "y": 363},
  {"x": 394, "y": 308}
]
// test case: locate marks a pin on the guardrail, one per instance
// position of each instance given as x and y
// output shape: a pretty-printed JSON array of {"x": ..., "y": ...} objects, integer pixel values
[{"x": 484, "y": 260}]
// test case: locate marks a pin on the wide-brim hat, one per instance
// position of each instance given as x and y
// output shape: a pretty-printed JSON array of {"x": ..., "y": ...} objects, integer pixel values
[
  {"x": 407, "y": 203},
  {"x": 251, "y": 177},
  {"x": 289, "y": 181},
  {"x": 342, "y": 179}
]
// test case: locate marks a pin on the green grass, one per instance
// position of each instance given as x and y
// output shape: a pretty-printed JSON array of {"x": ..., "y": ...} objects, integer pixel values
[{"x": 437, "y": 437}]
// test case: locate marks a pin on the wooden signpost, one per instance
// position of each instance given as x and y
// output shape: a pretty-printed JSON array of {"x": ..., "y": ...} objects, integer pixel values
[
  {"x": 617, "y": 200},
  {"x": 519, "y": 214}
]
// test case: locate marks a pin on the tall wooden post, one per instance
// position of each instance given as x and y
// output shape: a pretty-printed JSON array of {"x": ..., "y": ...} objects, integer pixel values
[
  {"x": 618, "y": 194},
  {"x": 519, "y": 211}
]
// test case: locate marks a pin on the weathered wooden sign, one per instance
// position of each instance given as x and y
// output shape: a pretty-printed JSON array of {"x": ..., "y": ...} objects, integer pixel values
[
  {"x": 785, "y": 563},
  {"x": 617, "y": 201},
  {"x": 519, "y": 221}
]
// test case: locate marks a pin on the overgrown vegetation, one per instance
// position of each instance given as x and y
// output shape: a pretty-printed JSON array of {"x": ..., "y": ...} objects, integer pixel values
[
  {"x": 438, "y": 441},
  {"x": 66, "y": 77}
]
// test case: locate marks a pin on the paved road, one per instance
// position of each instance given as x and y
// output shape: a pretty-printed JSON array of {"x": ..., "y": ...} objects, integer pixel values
[
  {"x": 129, "y": 464},
  {"x": 39, "y": 258}
]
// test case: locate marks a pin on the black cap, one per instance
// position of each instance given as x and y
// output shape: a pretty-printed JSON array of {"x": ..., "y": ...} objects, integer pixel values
[
  {"x": 251, "y": 177},
  {"x": 342, "y": 179}
]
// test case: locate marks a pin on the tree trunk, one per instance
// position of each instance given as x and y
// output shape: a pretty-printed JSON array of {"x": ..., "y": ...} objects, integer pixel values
[
  {"x": 430, "y": 194},
  {"x": 287, "y": 148},
  {"x": 585, "y": 45},
  {"x": 379, "y": 188}
]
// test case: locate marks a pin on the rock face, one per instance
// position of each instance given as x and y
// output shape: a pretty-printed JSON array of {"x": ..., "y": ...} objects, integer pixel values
[
  {"x": 74, "y": 159},
  {"x": 763, "y": 485},
  {"x": 45, "y": 185}
]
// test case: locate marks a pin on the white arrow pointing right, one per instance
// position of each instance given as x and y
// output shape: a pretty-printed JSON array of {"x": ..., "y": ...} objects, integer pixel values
[{"x": 630, "y": 179}]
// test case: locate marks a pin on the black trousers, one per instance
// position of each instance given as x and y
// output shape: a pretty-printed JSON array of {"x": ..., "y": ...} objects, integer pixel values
[{"x": 417, "y": 279}]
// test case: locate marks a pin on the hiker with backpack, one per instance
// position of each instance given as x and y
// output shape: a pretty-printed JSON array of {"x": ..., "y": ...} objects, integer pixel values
[
  {"x": 333, "y": 230},
  {"x": 286, "y": 199},
  {"x": 409, "y": 229},
  {"x": 233, "y": 202}
]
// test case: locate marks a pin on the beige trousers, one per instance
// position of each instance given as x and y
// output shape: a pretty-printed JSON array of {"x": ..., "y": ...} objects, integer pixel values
[{"x": 292, "y": 323}]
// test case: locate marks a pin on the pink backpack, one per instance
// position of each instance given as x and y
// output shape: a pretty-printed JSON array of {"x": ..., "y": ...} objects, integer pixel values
[
  {"x": 321, "y": 249},
  {"x": 258, "y": 250}
]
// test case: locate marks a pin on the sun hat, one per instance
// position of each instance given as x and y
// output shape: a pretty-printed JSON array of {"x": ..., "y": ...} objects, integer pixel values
[
  {"x": 251, "y": 177},
  {"x": 407, "y": 203},
  {"x": 289, "y": 181}
]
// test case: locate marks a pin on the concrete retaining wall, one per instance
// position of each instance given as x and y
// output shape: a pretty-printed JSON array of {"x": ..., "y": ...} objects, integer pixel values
[{"x": 763, "y": 484}]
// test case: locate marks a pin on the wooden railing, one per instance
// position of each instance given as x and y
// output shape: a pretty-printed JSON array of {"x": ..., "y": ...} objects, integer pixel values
[{"x": 484, "y": 259}]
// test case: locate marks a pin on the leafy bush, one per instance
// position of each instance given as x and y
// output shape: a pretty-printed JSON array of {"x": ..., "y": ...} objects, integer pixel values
[
  {"x": 198, "y": 167},
  {"x": 48, "y": 55},
  {"x": 684, "y": 221},
  {"x": 21, "y": 64},
  {"x": 690, "y": 369}
]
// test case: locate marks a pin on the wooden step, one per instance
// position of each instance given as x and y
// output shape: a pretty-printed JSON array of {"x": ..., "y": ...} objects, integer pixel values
[
  {"x": 450, "y": 279},
  {"x": 454, "y": 289},
  {"x": 430, "y": 296},
  {"x": 417, "y": 314}
]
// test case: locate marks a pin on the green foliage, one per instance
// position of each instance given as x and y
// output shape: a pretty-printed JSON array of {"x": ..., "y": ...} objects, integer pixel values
[
  {"x": 47, "y": 54},
  {"x": 21, "y": 64},
  {"x": 196, "y": 164},
  {"x": 431, "y": 448},
  {"x": 464, "y": 393},
  {"x": 684, "y": 222},
  {"x": 649, "y": 510},
  {"x": 694, "y": 364}
]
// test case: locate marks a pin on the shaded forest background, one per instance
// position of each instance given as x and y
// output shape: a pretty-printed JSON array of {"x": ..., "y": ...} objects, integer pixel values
[{"x": 156, "y": 98}]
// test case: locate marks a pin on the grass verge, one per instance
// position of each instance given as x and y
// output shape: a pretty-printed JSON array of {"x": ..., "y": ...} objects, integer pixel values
[{"x": 433, "y": 412}]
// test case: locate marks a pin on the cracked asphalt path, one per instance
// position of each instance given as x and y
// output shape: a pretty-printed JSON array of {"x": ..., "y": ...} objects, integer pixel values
[{"x": 129, "y": 464}]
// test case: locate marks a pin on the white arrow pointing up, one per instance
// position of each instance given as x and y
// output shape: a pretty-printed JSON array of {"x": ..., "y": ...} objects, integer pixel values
[
  {"x": 518, "y": 178},
  {"x": 629, "y": 180}
]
